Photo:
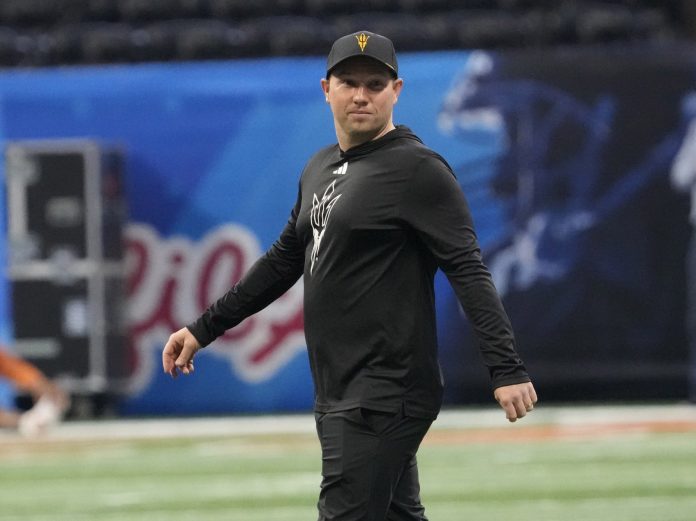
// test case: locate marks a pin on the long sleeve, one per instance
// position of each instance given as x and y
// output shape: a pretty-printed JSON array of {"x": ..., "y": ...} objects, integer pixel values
[
  {"x": 436, "y": 209},
  {"x": 267, "y": 279}
]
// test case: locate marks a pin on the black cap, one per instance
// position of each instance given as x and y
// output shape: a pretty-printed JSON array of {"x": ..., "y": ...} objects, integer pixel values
[{"x": 363, "y": 43}]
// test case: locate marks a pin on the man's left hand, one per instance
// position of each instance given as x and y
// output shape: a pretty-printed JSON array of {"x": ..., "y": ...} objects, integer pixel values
[{"x": 516, "y": 400}]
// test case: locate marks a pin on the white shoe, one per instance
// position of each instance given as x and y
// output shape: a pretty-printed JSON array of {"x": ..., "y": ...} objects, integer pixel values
[{"x": 42, "y": 416}]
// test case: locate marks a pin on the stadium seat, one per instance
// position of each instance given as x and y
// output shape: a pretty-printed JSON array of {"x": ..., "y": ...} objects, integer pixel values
[
  {"x": 652, "y": 24},
  {"x": 288, "y": 7},
  {"x": 608, "y": 23},
  {"x": 236, "y": 10},
  {"x": 59, "y": 46},
  {"x": 100, "y": 11},
  {"x": 9, "y": 54},
  {"x": 154, "y": 42},
  {"x": 31, "y": 13},
  {"x": 50, "y": 31},
  {"x": 146, "y": 10},
  {"x": 442, "y": 30},
  {"x": 490, "y": 30},
  {"x": 142, "y": 11},
  {"x": 345, "y": 7},
  {"x": 430, "y": 6},
  {"x": 192, "y": 8},
  {"x": 406, "y": 31},
  {"x": 297, "y": 35},
  {"x": 209, "y": 39},
  {"x": 106, "y": 43}
]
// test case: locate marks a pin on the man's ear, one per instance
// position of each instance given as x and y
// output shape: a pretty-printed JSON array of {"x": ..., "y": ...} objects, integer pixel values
[
  {"x": 325, "y": 88},
  {"x": 398, "y": 85}
]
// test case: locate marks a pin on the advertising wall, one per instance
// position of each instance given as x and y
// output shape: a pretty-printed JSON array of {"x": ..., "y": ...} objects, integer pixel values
[{"x": 565, "y": 161}]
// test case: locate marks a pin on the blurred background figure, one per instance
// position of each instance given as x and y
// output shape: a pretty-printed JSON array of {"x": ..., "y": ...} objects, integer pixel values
[
  {"x": 684, "y": 179},
  {"x": 50, "y": 402}
]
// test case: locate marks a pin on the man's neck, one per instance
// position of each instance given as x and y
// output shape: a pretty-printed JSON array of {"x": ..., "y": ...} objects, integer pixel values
[{"x": 348, "y": 141}]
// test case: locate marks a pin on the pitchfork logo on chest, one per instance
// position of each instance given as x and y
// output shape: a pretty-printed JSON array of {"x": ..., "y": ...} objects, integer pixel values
[{"x": 321, "y": 210}]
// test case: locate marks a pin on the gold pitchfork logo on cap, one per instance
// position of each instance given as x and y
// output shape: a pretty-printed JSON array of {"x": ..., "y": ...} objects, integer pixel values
[{"x": 362, "y": 40}]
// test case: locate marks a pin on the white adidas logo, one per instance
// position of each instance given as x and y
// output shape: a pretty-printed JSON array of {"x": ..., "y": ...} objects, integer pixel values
[{"x": 341, "y": 170}]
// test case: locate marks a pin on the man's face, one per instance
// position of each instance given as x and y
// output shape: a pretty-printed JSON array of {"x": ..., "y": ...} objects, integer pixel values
[{"x": 362, "y": 94}]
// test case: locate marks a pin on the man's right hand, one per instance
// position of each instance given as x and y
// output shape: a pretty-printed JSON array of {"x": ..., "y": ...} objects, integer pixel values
[{"x": 178, "y": 353}]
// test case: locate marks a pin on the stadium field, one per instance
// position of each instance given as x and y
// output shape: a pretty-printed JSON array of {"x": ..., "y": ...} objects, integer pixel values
[{"x": 559, "y": 464}]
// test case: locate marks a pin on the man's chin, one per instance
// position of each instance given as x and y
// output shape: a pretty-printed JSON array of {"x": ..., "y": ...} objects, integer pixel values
[{"x": 363, "y": 134}]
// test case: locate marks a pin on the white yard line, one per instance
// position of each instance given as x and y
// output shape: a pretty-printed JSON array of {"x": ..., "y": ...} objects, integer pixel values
[{"x": 158, "y": 428}]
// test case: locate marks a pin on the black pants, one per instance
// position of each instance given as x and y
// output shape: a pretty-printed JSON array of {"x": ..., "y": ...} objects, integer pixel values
[{"x": 369, "y": 466}]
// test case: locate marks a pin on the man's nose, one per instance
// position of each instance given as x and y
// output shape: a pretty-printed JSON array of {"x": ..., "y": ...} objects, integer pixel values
[{"x": 359, "y": 93}]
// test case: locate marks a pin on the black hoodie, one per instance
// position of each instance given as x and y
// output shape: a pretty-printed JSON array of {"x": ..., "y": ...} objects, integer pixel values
[{"x": 370, "y": 227}]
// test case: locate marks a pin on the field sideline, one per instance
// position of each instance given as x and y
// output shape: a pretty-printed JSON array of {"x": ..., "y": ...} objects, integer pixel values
[
  {"x": 619, "y": 463},
  {"x": 555, "y": 421}
]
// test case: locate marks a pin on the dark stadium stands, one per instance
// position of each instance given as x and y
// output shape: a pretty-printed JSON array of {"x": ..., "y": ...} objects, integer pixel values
[{"x": 53, "y": 32}]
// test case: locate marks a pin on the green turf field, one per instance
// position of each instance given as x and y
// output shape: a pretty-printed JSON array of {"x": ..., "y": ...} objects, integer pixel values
[{"x": 633, "y": 476}]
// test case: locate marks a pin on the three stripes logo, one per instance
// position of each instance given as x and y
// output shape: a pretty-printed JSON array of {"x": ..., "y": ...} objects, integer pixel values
[{"x": 341, "y": 170}]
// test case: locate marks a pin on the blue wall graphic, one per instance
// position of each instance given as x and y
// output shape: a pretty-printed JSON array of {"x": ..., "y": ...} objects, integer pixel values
[{"x": 568, "y": 182}]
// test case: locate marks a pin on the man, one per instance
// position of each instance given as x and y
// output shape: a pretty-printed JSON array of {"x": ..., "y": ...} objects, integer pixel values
[
  {"x": 50, "y": 401},
  {"x": 375, "y": 216}
]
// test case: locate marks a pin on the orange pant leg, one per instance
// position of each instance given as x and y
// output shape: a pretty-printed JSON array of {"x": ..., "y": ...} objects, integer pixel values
[{"x": 22, "y": 374}]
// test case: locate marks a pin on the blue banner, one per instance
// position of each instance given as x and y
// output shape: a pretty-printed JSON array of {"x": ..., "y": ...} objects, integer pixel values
[{"x": 568, "y": 182}]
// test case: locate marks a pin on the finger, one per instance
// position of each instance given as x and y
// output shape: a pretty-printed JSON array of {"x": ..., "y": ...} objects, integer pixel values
[
  {"x": 188, "y": 368},
  {"x": 172, "y": 371},
  {"x": 507, "y": 406},
  {"x": 515, "y": 407},
  {"x": 168, "y": 364},
  {"x": 530, "y": 398},
  {"x": 510, "y": 411},
  {"x": 185, "y": 360},
  {"x": 520, "y": 408},
  {"x": 528, "y": 403},
  {"x": 166, "y": 360},
  {"x": 168, "y": 357}
]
